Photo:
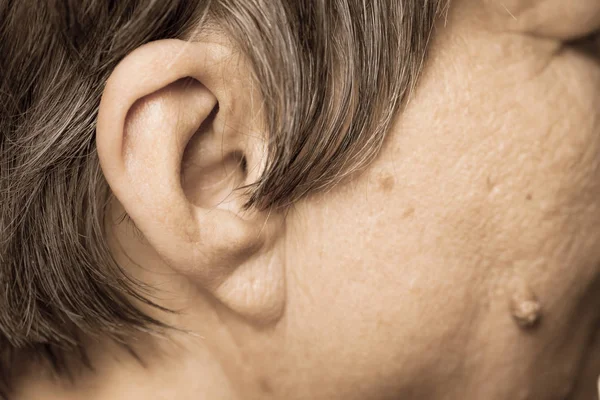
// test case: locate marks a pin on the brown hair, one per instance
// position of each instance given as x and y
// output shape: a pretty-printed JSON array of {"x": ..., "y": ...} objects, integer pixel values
[{"x": 58, "y": 280}]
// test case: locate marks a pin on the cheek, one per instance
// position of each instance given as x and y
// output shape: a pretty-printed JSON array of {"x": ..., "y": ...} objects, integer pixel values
[
  {"x": 473, "y": 187},
  {"x": 510, "y": 165},
  {"x": 370, "y": 294},
  {"x": 505, "y": 176}
]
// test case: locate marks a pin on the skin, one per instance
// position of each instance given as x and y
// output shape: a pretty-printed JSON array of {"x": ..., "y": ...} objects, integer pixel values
[{"x": 412, "y": 280}]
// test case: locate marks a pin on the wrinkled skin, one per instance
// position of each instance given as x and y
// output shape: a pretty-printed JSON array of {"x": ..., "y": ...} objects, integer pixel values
[{"x": 399, "y": 282}]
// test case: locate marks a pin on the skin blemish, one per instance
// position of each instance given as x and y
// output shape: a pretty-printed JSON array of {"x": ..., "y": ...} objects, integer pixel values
[
  {"x": 525, "y": 307},
  {"x": 409, "y": 212},
  {"x": 265, "y": 386},
  {"x": 386, "y": 182},
  {"x": 489, "y": 184},
  {"x": 529, "y": 196}
]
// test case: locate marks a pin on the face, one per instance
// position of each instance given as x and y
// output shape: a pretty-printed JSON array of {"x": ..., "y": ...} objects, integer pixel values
[
  {"x": 416, "y": 278},
  {"x": 402, "y": 282}
]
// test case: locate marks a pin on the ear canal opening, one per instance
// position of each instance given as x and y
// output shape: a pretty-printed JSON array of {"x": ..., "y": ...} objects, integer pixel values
[{"x": 213, "y": 169}]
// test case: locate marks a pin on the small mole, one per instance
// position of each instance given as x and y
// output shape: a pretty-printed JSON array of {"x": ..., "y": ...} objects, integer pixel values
[
  {"x": 409, "y": 212},
  {"x": 490, "y": 185},
  {"x": 525, "y": 307},
  {"x": 526, "y": 313},
  {"x": 386, "y": 182},
  {"x": 529, "y": 196},
  {"x": 264, "y": 385}
]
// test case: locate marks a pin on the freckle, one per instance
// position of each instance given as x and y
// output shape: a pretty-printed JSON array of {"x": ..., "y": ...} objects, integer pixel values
[
  {"x": 490, "y": 185},
  {"x": 265, "y": 386},
  {"x": 386, "y": 182},
  {"x": 529, "y": 196},
  {"x": 409, "y": 212}
]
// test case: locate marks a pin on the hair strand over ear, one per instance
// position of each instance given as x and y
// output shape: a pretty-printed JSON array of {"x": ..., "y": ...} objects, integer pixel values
[{"x": 326, "y": 111}]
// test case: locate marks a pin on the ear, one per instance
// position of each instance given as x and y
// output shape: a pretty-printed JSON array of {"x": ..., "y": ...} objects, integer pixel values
[{"x": 172, "y": 137}]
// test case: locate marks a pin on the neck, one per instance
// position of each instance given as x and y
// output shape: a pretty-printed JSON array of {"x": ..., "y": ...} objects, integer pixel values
[{"x": 180, "y": 366}]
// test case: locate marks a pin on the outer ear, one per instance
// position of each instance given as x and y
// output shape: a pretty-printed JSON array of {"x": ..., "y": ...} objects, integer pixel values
[{"x": 158, "y": 98}]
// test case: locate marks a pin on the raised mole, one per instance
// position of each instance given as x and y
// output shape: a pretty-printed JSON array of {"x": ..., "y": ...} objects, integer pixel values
[{"x": 525, "y": 307}]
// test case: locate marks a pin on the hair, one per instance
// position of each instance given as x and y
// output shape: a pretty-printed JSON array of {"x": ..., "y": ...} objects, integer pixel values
[{"x": 58, "y": 279}]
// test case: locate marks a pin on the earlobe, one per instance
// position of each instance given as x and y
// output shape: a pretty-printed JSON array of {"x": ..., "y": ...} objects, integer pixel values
[{"x": 159, "y": 98}]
